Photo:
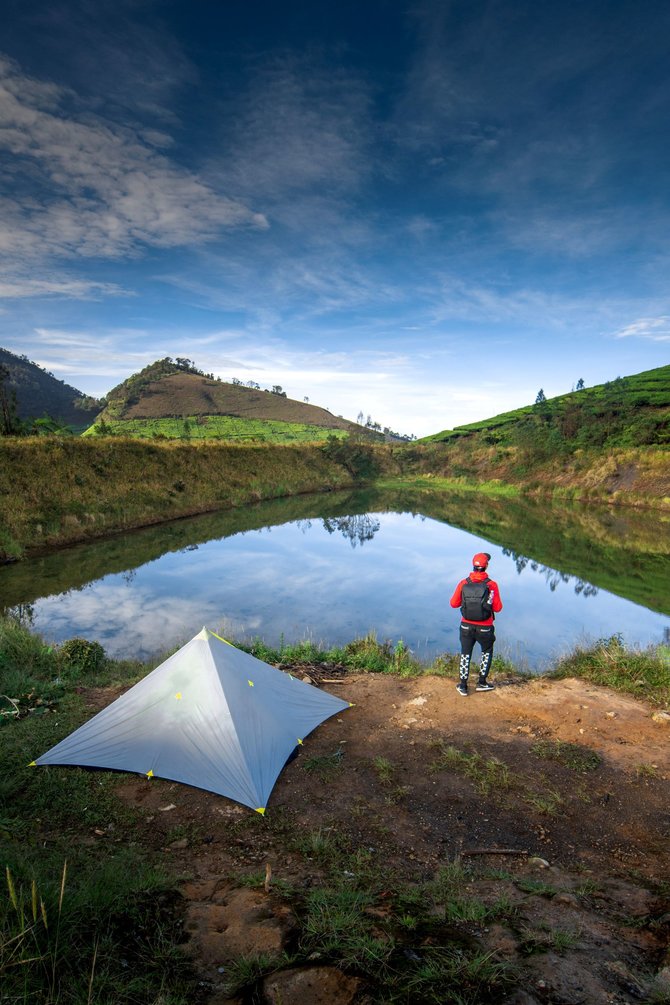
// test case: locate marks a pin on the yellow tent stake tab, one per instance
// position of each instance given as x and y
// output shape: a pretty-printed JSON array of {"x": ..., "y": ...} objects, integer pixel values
[
  {"x": 150, "y": 773},
  {"x": 261, "y": 810}
]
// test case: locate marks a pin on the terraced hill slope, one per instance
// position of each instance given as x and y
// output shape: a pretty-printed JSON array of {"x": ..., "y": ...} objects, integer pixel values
[{"x": 628, "y": 411}]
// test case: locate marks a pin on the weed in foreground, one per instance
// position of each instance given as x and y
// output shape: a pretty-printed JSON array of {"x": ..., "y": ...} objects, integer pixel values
[
  {"x": 70, "y": 941},
  {"x": 384, "y": 769},
  {"x": 645, "y": 772},
  {"x": 548, "y": 803},
  {"x": 245, "y": 971},
  {"x": 324, "y": 766},
  {"x": 570, "y": 755},
  {"x": 487, "y": 774}
]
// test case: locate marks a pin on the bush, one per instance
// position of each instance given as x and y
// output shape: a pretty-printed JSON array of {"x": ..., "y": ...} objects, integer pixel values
[{"x": 81, "y": 655}]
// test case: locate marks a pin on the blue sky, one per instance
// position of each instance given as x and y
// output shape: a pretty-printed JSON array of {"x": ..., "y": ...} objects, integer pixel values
[{"x": 423, "y": 212}]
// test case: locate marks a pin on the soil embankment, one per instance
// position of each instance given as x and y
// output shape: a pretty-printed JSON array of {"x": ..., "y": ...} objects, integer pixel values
[
  {"x": 547, "y": 802},
  {"x": 56, "y": 491}
]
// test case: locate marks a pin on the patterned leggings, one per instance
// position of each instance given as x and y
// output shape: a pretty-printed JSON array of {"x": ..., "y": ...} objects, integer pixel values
[{"x": 470, "y": 634}]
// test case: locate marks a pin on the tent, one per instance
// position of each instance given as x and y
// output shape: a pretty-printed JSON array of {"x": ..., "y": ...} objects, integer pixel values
[{"x": 210, "y": 716}]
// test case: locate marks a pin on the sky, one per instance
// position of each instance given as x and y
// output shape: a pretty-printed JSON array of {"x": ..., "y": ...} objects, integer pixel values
[{"x": 423, "y": 212}]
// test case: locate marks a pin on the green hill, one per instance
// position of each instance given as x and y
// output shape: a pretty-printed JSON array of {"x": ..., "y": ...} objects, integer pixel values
[
  {"x": 174, "y": 399},
  {"x": 628, "y": 411},
  {"x": 35, "y": 393}
]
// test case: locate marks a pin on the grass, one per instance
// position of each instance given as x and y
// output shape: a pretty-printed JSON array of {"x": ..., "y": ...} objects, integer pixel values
[
  {"x": 81, "y": 488},
  {"x": 644, "y": 673},
  {"x": 645, "y": 772},
  {"x": 219, "y": 427},
  {"x": 547, "y": 802},
  {"x": 570, "y": 755},
  {"x": 100, "y": 928},
  {"x": 366, "y": 654},
  {"x": 245, "y": 971},
  {"x": 324, "y": 766},
  {"x": 384, "y": 770},
  {"x": 487, "y": 774},
  {"x": 545, "y": 939},
  {"x": 536, "y": 887}
]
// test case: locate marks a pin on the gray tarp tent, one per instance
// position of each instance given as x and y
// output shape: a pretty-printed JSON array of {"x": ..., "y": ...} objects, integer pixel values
[{"x": 211, "y": 716}]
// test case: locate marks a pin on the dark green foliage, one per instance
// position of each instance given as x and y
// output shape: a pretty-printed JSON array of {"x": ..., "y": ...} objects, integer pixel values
[
  {"x": 10, "y": 424},
  {"x": 31, "y": 392},
  {"x": 82, "y": 655},
  {"x": 358, "y": 458}
]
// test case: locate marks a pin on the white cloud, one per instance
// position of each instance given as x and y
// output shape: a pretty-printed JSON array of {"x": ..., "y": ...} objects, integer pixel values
[
  {"x": 299, "y": 127},
  {"x": 654, "y": 329},
  {"x": 74, "y": 289},
  {"x": 87, "y": 187}
]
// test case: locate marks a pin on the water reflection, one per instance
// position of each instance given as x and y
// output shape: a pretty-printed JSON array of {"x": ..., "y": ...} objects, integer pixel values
[
  {"x": 552, "y": 576},
  {"x": 357, "y": 529},
  {"x": 335, "y": 567}
]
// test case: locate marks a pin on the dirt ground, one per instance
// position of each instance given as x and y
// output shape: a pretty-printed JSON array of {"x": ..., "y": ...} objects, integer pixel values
[{"x": 593, "y": 829}]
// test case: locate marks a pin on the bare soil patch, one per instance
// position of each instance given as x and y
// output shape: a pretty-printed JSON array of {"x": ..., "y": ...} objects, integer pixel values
[{"x": 555, "y": 793}]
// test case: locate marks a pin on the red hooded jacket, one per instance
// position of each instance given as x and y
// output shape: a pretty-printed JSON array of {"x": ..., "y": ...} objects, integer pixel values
[{"x": 478, "y": 577}]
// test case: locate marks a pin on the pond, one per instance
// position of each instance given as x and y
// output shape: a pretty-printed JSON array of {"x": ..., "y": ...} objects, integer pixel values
[{"x": 336, "y": 566}]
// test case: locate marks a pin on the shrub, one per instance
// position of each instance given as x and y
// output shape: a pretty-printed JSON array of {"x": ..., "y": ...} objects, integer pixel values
[{"x": 81, "y": 655}]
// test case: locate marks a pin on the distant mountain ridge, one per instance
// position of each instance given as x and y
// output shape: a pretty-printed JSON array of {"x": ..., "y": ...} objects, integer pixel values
[{"x": 39, "y": 393}]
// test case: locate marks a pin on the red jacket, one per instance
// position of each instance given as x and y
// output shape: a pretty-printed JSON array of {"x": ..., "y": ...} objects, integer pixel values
[{"x": 478, "y": 577}]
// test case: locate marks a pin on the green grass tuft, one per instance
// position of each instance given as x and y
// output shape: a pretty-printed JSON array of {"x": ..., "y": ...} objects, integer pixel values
[{"x": 644, "y": 673}]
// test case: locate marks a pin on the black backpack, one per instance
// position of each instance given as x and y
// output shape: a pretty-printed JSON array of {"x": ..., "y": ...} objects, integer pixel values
[{"x": 475, "y": 604}]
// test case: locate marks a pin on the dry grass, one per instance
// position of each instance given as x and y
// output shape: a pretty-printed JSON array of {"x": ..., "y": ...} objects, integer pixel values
[{"x": 67, "y": 489}]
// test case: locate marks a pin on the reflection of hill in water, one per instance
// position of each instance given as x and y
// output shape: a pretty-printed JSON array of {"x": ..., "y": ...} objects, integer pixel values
[
  {"x": 624, "y": 552},
  {"x": 73, "y": 568},
  {"x": 552, "y": 576}
]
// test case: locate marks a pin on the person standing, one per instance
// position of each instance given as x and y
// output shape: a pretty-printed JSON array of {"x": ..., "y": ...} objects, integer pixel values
[{"x": 479, "y": 600}]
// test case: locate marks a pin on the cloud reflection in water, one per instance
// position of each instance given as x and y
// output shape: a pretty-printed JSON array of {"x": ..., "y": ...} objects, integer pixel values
[{"x": 306, "y": 580}]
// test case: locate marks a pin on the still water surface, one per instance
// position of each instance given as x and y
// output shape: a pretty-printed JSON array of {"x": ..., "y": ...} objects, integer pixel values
[{"x": 331, "y": 569}]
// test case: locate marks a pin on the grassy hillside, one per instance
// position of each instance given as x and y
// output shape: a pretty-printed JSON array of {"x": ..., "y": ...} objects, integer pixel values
[
  {"x": 37, "y": 393},
  {"x": 177, "y": 400},
  {"x": 628, "y": 411},
  {"x": 56, "y": 490}
]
